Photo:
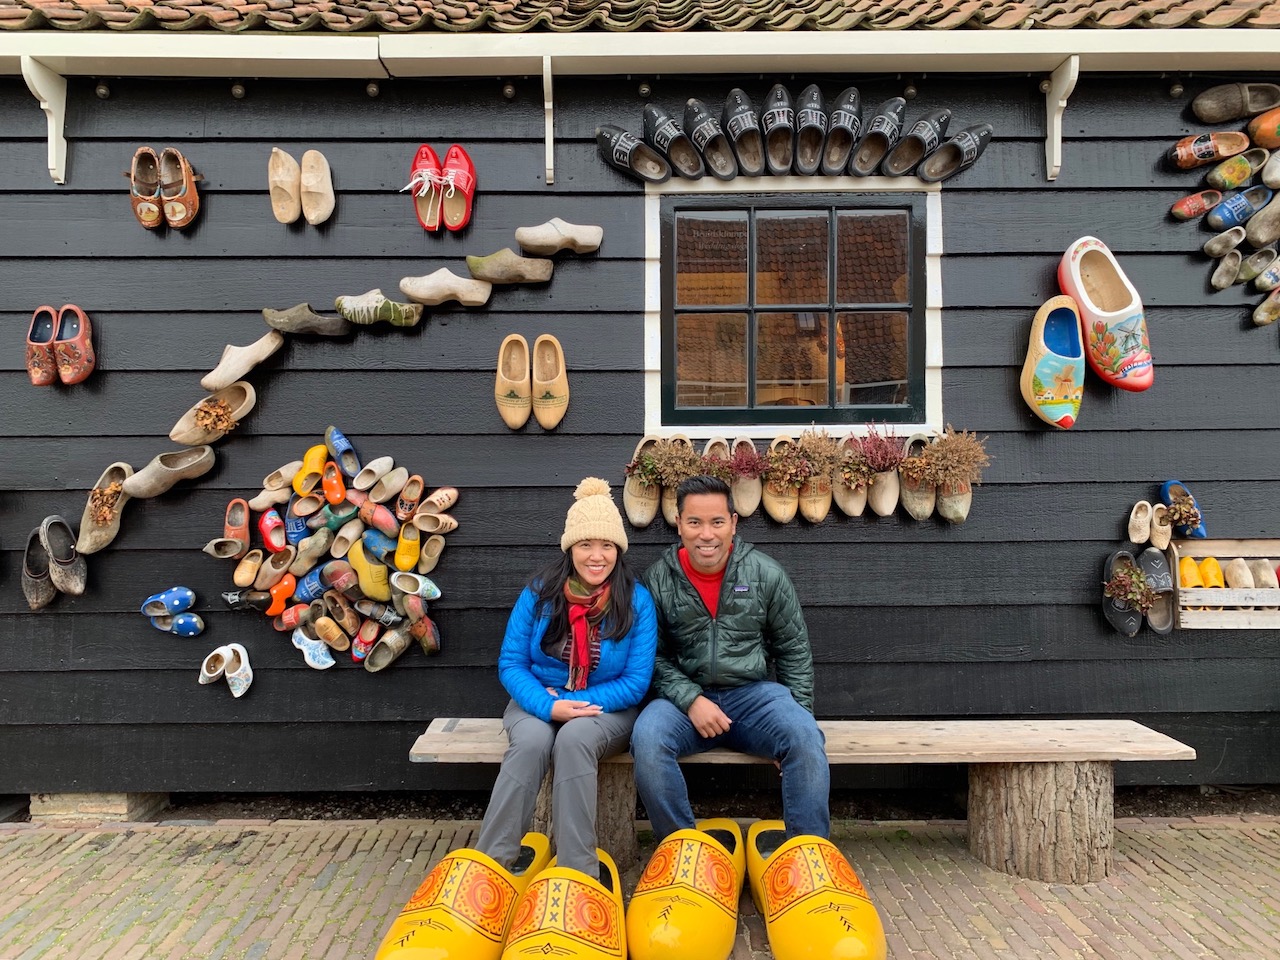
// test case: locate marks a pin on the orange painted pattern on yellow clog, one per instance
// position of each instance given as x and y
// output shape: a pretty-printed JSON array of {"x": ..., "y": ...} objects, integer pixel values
[
  {"x": 560, "y": 906},
  {"x": 793, "y": 876},
  {"x": 698, "y": 865}
]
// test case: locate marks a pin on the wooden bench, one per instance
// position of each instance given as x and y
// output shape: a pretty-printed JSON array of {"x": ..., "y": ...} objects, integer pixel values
[{"x": 1041, "y": 792}]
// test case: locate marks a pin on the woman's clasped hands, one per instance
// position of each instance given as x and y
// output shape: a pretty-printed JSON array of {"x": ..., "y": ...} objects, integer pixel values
[{"x": 563, "y": 710}]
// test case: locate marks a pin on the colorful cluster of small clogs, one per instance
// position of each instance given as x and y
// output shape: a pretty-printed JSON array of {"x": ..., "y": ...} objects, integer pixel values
[
  {"x": 470, "y": 907},
  {"x": 348, "y": 557},
  {"x": 1098, "y": 318},
  {"x": 1252, "y": 213},
  {"x": 803, "y": 137}
]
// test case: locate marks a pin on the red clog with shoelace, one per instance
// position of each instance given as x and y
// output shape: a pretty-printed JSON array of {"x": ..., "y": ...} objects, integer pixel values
[
  {"x": 425, "y": 179},
  {"x": 458, "y": 188}
]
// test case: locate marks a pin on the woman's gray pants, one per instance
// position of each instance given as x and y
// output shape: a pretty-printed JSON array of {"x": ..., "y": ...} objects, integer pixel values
[{"x": 574, "y": 750}]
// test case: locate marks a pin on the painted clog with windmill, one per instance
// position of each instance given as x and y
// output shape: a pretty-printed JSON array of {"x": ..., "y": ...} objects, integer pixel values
[
  {"x": 1052, "y": 379},
  {"x": 1111, "y": 315}
]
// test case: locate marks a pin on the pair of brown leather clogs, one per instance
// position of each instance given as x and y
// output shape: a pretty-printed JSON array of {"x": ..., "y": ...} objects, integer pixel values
[
  {"x": 59, "y": 346},
  {"x": 162, "y": 188}
]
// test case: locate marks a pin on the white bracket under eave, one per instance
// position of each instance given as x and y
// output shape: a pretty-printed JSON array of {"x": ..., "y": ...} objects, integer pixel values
[
  {"x": 1057, "y": 90},
  {"x": 548, "y": 109},
  {"x": 51, "y": 90}
]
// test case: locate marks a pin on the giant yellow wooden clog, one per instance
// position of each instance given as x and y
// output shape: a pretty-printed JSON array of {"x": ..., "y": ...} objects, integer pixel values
[
  {"x": 813, "y": 904},
  {"x": 463, "y": 909},
  {"x": 686, "y": 903},
  {"x": 568, "y": 915}
]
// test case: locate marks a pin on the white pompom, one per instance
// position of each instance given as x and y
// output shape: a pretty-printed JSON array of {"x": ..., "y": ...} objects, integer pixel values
[{"x": 591, "y": 487}]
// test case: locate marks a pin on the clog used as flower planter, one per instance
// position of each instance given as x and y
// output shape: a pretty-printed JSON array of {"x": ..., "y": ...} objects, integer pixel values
[
  {"x": 1264, "y": 130},
  {"x": 1111, "y": 315},
  {"x": 100, "y": 522},
  {"x": 215, "y": 416},
  {"x": 815, "y": 496},
  {"x": 1237, "y": 209},
  {"x": 1171, "y": 490},
  {"x": 1052, "y": 380},
  {"x": 1196, "y": 205},
  {"x": 918, "y": 496},
  {"x": 851, "y": 501},
  {"x": 954, "y": 501},
  {"x": 882, "y": 495},
  {"x": 640, "y": 500},
  {"x": 1198, "y": 150},
  {"x": 746, "y": 491},
  {"x": 781, "y": 500},
  {"x": 1239, "y": 170}
]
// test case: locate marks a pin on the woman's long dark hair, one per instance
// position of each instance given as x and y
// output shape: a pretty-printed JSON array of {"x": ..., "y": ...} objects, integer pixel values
[{"x": 548, "y": 585}]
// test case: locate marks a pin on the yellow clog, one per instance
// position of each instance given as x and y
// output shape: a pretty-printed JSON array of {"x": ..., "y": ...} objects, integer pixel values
[
  {"x": 1189, "y": 575},
  {"x": 371, "y": 574},
  {"x": 463, "y": 908},
  {"x": 1211, "y": 574},
  {"x": 686, "y": 902},
  {"x": 408, "y": 547},
  {"x": 813, "y": 904},
  {"x": 568, "y": 915},
  {"x": 305, "y": 480}
]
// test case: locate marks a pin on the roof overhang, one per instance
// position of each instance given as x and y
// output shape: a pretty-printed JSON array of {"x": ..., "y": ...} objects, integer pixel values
[{"x": 437, "y": 54}]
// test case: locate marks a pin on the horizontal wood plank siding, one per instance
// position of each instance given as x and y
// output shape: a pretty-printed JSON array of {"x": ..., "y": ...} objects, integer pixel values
[{"x": 997, "y": 617}]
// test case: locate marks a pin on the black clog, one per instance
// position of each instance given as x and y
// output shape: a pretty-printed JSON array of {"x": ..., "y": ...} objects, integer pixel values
[
  {"x": 632, "y": 155},
  {"x": 706, "y": 134},
  {"x": 778, "y": 119},
  {"x": 924, "y": 137},
  {"x": 664, "y": 134},
  {"x": 1121, "y": 614},
  {"x": 843, "y": 129},
  {"x": 958, "y": 153},
  {"x": 811, "y": 131},
  {"x": 882, "y": 134},
  {"x": 741, "y": 124}
]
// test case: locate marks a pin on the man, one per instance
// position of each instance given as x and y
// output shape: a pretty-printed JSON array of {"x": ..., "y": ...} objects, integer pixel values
[{"x": 726, "y": 614}]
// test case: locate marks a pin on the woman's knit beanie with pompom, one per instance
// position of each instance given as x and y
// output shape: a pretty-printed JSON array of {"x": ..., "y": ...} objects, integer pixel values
[{"x": 594, "y": 516}]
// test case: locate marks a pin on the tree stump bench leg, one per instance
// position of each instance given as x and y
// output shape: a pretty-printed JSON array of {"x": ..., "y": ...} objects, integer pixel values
[
  {"x": 1043, "y": 821},
  {"x": 615, "y": 812}
]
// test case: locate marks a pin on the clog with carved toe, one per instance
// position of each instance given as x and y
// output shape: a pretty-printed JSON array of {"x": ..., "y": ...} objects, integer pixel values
[
  {"x": 463, "y": 908},
  {"x": 1052, "y": 380},
  {"x": 1111, "y": 315},
  {"x": 567, "y": 914},
  {"x": 686, "y": 901},
  {"x": 811, "y": 899}
]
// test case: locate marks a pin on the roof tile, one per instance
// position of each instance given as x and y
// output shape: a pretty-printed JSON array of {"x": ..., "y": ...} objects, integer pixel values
[{"x": 659, "y": 16}]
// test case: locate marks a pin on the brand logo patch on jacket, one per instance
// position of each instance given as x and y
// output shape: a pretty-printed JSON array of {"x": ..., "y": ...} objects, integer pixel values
[{"x": 741, "y": 588}]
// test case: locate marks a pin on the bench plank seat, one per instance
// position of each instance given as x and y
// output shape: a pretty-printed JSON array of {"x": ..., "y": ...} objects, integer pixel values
[
  {"x": 481, "y": 740},
  {"x": 1041, "y": 792}
]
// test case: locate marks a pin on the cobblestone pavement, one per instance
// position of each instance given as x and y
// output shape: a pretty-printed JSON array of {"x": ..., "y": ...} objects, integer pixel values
[{"x": 287, "y": 890}]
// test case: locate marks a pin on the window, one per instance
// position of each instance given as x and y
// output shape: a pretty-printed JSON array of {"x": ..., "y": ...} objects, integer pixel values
[{"x": 792, "y": 307}]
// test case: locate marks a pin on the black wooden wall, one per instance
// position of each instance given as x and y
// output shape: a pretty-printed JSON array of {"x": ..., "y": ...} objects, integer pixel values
[{"x": 998, "y": 617}]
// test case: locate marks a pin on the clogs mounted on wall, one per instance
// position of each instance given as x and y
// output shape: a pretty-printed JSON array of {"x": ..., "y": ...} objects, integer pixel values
[
  {"x": 162, "y": 188},
  {"x": 1111, "y": 315},
  {"x": 60, "y": 346},
  {"x": 803, "y": 137}
]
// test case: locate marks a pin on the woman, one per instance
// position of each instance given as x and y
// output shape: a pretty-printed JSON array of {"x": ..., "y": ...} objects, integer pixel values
[{"x": 577, "y": 659}]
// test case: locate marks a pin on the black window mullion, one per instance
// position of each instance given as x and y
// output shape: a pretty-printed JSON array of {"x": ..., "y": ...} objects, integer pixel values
[{"x": 751, "y": 308}]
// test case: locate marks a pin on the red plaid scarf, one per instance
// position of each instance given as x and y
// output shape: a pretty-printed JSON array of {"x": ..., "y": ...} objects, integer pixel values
[{"x": 586, "y": 609}]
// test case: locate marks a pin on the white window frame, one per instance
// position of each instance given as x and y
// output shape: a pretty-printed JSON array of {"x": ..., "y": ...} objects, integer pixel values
[{"x": 797, "y": 186}]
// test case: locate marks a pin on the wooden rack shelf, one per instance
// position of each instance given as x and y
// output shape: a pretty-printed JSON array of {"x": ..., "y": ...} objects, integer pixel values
[{"x": 1212, "y": 608}]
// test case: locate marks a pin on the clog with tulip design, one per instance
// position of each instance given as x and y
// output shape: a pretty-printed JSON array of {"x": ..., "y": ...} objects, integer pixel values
[{"x": 1111, "y": 315}]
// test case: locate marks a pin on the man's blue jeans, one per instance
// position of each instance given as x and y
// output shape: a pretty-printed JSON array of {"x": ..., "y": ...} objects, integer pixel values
[{"x": 766, "y": 722}]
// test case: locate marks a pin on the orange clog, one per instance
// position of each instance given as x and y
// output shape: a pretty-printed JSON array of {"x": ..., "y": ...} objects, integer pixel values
[
  {"x": 181, "y": 203},
  {"x": 1264, "y": 130},
  {"x": 42, "y": 368},
  {"x": 812, "y": 902},
  {"x": 1196, "y": 205},
  {"x": 335, "y": 490},
  {"x": 73, "y": 345},
  {"x": 144, "y": 187},
  {"x": 407, "y": 499},
  {"x": 1197, "y": 150},
  {"x": 281, "y": 591},
  {"x": 235, "y": 524},
  {"x": 463, "y": 909}
]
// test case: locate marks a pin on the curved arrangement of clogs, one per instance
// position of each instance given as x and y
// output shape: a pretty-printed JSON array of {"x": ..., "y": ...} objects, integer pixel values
[
  {"x": 783, "y": 136},
  {"x": 811, "y": 899}
]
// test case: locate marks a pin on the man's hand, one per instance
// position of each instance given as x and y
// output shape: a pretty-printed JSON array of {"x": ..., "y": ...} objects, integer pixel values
[
  {"x": 563, "y": 711},
  {"x": 707, "y": 718}
]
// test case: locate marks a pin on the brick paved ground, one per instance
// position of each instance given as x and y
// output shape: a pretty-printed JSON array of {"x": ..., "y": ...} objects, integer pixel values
[{"x": 1207, "y": 888}]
